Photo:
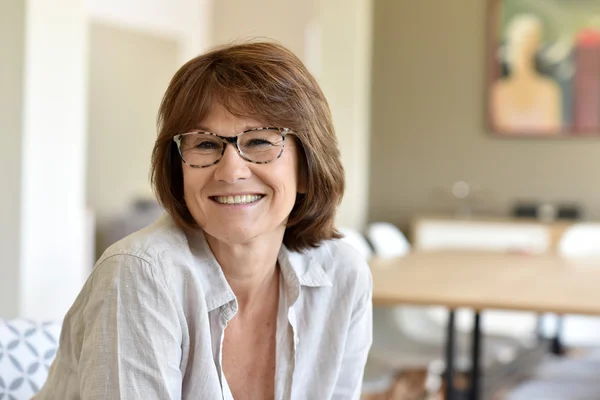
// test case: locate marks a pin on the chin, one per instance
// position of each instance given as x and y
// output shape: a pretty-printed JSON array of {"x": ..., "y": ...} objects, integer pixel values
[{"x": 233, "y": 235}]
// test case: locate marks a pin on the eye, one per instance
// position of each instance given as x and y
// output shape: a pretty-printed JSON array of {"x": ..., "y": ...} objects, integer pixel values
[
  {"x": 258, "y": 142},
  {"x": 200, "y": 142},
  {"x": 207, "y": 145}
]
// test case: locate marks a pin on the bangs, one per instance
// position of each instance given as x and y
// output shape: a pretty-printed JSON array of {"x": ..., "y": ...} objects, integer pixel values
[{"x": 243, "y": 94}]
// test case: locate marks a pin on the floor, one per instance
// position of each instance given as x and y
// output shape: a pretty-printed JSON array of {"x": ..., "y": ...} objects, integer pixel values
[{"x": 410, "y": 385}]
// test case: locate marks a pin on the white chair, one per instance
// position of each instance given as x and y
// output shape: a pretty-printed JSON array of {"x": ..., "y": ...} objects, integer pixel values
[
  {"x": 27, "y": 349},
  {"x": 579, "y": 241},
  {"x": 387, "y": 240},
  {"x": 357, "y": 240},
  {"x": 436, "y": 235}
]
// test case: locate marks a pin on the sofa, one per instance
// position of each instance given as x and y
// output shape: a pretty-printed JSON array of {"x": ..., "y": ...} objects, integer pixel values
[{"x": 27, "y": 349}]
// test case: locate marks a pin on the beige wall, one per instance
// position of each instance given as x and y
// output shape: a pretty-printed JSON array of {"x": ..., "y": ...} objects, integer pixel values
[
  {"x": 12, "y": 42},
  {"x": 284, "y": 21},
  {"x": 43, "y": 48},
  {"x": 345, "y": 77},
  {"x": 428, "y": 120},
  {"x": 129, "y": 72}
]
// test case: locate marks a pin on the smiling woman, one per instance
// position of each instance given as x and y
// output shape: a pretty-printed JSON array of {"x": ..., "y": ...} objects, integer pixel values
[
  {"x": 241, "y": 290},
  {"x": 269, "y": 86}
]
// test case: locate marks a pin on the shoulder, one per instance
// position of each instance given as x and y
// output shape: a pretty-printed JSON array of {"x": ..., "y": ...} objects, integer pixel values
[
  {"x": 549, "y": 86},
  {"x": 150, "y": 242},
  {"x": 145, "y": 266},
  {"x": 346, "y": 267},
  {"x": 157, "y": 255}
]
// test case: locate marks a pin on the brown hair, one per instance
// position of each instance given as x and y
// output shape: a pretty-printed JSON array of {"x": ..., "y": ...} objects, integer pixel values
[{"x": 267, "y": 82}]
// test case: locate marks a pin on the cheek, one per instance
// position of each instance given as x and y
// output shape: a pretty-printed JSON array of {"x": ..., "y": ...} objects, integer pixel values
[
  {"x": 293, "y": 168},
  {"x": 187, "y": 180},
  {"x": 289, "y": 177},
  {"x": 193, "y": 182}
]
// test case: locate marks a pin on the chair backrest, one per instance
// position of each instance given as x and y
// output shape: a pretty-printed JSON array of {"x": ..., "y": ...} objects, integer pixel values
[
  {"x": 387, "y": 240},
  {"x": 27, "y": 349},
  {"x": 482, "y": 236},
  {"x": 580, "y": 240},
  {"x": 357, "y": 240}
]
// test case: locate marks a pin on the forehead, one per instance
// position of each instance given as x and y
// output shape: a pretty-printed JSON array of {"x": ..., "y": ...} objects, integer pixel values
[{"x": 220, "y": 120}]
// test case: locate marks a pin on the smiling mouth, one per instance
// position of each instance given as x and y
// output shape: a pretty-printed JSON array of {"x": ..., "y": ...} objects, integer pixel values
[{"x": 234, "y": 200}]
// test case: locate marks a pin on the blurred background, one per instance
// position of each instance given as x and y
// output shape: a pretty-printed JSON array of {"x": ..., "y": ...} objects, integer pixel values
[{"x": 81, "y": 82}]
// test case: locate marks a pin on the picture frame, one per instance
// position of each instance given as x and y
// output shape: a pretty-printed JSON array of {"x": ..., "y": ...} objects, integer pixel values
[{"x": 543, "y": 69}]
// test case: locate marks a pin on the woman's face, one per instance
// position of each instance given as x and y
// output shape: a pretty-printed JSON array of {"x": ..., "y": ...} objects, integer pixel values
[
  {"x": 271, "y": 187},
  {"x": 523, "y": 42},
  {"x": 528, "y": 43}
]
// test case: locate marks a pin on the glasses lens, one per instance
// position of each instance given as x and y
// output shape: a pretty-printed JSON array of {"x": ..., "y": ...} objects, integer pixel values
[
  {"x": 201, "y": 149},
  {"x": 262, "y": 145}
]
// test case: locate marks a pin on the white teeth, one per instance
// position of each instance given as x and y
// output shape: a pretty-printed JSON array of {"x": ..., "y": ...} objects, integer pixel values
[{"x": 243, "y": 199}]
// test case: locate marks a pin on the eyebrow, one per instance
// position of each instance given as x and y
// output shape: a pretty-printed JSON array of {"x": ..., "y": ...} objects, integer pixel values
[{"x": 244, "y": 128}]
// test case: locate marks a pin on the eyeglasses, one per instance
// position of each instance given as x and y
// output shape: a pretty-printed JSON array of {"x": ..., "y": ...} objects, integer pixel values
[{"x": 201, "y": 149}]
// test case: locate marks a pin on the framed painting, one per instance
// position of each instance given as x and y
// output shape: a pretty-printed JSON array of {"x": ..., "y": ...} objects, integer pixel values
[{"x": 544, "y": 68}]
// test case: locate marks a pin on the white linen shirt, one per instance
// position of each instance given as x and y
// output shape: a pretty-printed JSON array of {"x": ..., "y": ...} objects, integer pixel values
[{"x": 150, "y": 320}]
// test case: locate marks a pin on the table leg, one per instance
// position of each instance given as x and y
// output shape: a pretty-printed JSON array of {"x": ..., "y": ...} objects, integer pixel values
[
  {"x": 556, "y": 346},
  {"x": 476, "y": 357},
  {"x": 450, "y": 390}
]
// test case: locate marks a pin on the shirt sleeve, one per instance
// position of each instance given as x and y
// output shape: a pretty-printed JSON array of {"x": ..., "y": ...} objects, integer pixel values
[
  {"x": 358, "y": 343},
  {"x": 132, "y": 342}
]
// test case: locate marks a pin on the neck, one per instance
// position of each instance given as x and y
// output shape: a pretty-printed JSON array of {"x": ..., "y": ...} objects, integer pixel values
[
  {"x": 250, "y": 268},
  {"x": 523, "y": 74},
  {"x": 523, "y": 69}
]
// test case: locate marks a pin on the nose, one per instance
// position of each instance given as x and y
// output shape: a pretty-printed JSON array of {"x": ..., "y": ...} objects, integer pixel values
[{"x": 232, "y": 167}]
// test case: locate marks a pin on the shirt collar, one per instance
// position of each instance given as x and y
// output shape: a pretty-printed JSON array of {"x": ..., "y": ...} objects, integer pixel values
[
  {"x": 297, "y": 268},
  {"x": 303, "y": 267},
  {"x": 217, "y": 291}
]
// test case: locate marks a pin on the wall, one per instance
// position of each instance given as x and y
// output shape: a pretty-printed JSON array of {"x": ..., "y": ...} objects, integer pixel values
[
  {"x": 428, "y": 120},
  {"x": 284, "y": 21},
  {"x": 129, "y": 73},
  {"x": 53, "y": 240},
  {"x": 12, "y": 31},
  {"x": 187, "y": 21},
  {"x": 345, "y": 77}
]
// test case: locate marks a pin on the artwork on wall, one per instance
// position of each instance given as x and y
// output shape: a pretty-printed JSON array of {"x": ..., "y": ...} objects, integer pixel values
[{"x": 544, "y": 67}]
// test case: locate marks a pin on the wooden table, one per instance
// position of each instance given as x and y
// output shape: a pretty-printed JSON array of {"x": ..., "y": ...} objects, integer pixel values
[{"x": 545, "y": 283}]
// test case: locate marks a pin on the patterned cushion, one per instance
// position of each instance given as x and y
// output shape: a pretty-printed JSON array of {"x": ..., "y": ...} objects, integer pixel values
[{"x": 27, "y": 349}]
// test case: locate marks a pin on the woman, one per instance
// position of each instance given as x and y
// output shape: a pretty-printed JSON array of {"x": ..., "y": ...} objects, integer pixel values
[
  {"x": 238, "y": 290},
  {"x": 525, "y": 102}
]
